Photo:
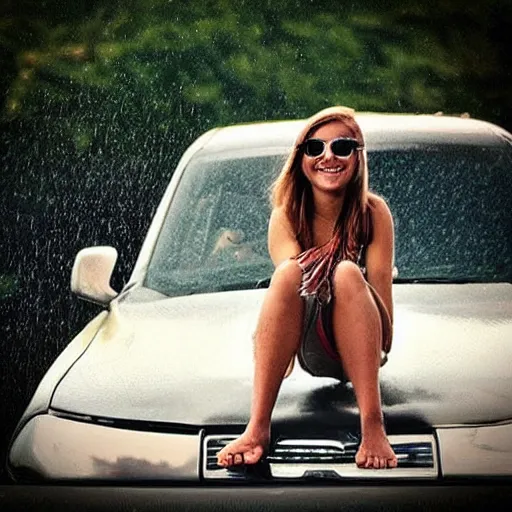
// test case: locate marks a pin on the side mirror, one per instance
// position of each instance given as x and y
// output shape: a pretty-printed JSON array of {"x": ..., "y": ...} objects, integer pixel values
[{"x": 92, "y": 270}]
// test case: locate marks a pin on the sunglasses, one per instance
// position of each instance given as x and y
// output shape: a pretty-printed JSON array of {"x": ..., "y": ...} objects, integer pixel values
[{"x": 342, "y": 147}]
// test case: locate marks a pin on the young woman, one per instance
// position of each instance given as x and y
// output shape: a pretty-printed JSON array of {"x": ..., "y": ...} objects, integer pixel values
[{"x": 329, "y": 300}]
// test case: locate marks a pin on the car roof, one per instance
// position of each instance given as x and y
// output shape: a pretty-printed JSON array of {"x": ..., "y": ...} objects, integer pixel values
[{"x": 382, "y": 131}]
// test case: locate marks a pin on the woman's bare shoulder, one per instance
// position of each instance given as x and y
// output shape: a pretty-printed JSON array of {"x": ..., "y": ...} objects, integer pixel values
[
  {"x": 382, "y": 219},
  {"x": 378, "y": 207},
  {"x": 376, "y": 201}
]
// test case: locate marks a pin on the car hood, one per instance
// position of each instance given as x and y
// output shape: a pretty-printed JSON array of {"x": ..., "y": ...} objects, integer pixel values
[{"x": 188, "y": 360}]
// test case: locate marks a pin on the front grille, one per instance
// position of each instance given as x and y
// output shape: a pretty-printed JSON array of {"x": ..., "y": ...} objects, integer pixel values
[{"x": 325, "y": 458}]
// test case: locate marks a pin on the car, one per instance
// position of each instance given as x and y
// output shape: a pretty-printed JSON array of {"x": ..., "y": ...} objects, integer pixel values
[{"x": 159, "y": 381}]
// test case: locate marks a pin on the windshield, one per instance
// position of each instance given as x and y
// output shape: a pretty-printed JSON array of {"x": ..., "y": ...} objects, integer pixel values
[{"x": 451, "y": 208}]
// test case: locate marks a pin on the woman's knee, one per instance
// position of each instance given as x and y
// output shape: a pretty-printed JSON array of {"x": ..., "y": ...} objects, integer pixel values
[
  {"x": 287, "y": 275},
  {"x": 348, "y": 278}
]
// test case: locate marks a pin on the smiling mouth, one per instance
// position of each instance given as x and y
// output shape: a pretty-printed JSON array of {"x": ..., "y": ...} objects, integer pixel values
[{"x": 330, "y": 170}]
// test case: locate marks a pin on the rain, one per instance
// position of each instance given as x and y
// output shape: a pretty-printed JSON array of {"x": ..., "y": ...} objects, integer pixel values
[{"x": 100, "y": 100}]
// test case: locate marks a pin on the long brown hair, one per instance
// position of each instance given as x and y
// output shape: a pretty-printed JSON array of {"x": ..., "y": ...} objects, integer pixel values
[{"x": 292, "y": 190}]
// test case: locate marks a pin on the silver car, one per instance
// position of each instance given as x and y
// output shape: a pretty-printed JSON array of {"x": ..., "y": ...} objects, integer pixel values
[{"x": 156, "y": 384}]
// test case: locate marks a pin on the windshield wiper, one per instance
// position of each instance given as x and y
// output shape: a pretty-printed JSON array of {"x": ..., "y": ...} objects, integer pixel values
[
  {"x": 263, "y": 283},
  {"x": 244, "y": 285}
]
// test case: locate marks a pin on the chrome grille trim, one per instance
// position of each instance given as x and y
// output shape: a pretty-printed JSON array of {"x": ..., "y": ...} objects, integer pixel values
[
  {"x": 328, "y": 458},
  {"x": 211, "y": 470},
  {"x": 312, "y": 451}
]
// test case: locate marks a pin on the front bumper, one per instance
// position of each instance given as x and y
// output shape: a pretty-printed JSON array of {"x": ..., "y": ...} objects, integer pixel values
[
  {"x": 53, "y": 448},
  {"x": 479, "y": 451}
]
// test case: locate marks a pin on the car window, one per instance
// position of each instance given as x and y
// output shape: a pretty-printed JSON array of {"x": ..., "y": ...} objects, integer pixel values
[{"x": 451, "y": 207}]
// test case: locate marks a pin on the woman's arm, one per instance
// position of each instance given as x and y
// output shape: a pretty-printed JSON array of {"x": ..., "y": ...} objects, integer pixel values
[
  {"x": 380, "y": 253},
  {"x": 282, "y": 244}
]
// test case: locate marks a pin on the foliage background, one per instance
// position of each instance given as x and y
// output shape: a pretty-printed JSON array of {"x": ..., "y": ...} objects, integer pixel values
[{"x": 100, "y": 98}]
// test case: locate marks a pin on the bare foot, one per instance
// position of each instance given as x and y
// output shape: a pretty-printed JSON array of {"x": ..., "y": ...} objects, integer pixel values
[
  {"x": 375, "y": 452},
  {"x": 246, "y": 449}
]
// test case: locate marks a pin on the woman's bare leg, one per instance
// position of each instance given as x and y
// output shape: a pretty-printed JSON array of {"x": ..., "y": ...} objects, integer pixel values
[
  {"x": 358, "y": 335},
  {"x": 276, "y": 341}
]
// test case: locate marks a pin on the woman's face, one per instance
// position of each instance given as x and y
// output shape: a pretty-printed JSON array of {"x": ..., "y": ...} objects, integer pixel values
[{"x": 328, "y": 172}]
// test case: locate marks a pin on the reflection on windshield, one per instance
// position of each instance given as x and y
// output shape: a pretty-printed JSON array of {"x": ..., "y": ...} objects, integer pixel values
[{"x": 451, "y": 208}]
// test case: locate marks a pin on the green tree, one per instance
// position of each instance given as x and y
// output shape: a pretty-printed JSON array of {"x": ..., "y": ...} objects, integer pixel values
[{"x": 229, "y": 60}]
